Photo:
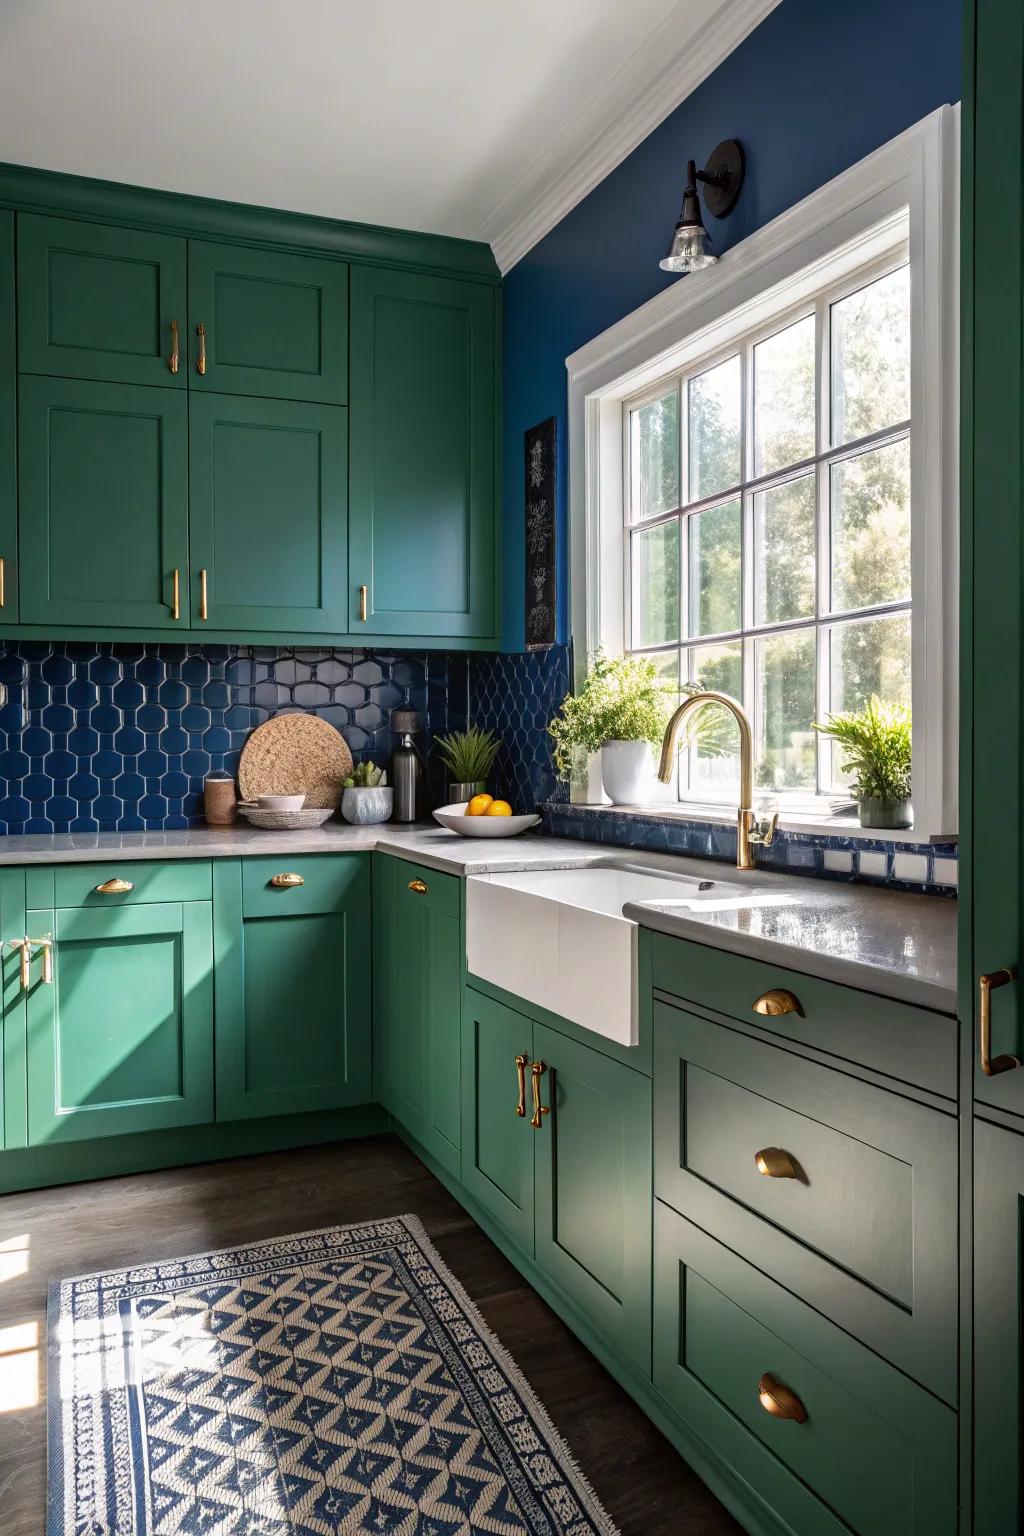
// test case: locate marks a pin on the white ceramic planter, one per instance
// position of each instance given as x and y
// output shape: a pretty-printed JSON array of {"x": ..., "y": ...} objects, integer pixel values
[
  {"x": 367, "y": 805},
  {"x": 627, "y": 772}
]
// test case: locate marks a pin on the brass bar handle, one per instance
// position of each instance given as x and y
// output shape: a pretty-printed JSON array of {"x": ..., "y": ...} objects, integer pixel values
[
  {"x": 992, "y": 1065},
  {"x": 2, "y": 576},
  {"x": 24, "y": 961},
  {"x": 176, "y": 594},
  {"x": 204, "y": 613},
  {"x": 172, "y": 361},
  {"x": 115, "y": 886},
  {"x": 362, "y": 604},
  {"x": 201, "y": 359},
  {"x": 774, "y": 1163},
  {"x": 537, "y": 1070},
  {"x": 46, "y": 945},
  {"x": 521, "y": 1061},
  {"x": 419, "y": 886},
  {"x": 773, "y": 1004},
  {"x": 779, "y": 1400},
  {"x": 286, "y": 881}
]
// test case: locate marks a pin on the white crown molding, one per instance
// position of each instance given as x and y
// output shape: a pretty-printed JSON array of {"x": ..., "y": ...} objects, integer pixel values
[{"x": 688, "y": 45}]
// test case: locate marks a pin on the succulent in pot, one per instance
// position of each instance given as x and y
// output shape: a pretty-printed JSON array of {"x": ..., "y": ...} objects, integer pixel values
[
  {"x": 469, "y": 757},
  {"x": 875, "y": 748},
  {"x": 366, "y": 799}
]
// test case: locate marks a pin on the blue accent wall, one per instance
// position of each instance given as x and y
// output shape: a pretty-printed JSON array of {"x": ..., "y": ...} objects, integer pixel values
[{"x": 816, "y": 87}]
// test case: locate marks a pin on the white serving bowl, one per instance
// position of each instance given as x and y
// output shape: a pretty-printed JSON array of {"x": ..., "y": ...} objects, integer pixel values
[
  {"x": 455, "y": 819},
  {"x": 280, "y": 802}
]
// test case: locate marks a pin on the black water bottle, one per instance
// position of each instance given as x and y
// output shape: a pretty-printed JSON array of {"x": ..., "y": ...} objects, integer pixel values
[{"x": 407, "y": 766}]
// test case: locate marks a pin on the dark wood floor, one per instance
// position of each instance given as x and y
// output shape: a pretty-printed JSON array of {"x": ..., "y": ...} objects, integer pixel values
[{"x": 643, "y": 1484}]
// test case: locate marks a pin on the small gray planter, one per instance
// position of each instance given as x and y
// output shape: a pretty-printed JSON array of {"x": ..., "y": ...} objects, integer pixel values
[{"x": 367, "y": 805}]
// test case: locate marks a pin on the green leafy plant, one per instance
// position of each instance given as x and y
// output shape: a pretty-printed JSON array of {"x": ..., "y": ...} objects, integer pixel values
[
  {"x": 875, "y": 746},
  {"x": 624, "y": 699},
  {"x": 468, "y": 755},
  {"x": 366, "y": 776}
]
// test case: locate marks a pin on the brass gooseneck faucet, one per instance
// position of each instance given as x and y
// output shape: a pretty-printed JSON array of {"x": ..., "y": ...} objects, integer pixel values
[{"x": 748, "y": 830}]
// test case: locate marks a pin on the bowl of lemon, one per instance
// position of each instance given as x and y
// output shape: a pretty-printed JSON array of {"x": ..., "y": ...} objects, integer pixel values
[{"x": 484, "y": 816}]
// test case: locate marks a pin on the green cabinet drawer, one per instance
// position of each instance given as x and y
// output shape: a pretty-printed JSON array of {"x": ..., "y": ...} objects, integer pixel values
[
  {"x": 875, "y": 1454},
  {"x": 443, "y": 892},
  {"x": 8, "y": 428},
  {"x": 310, "y": 882},
  {"x": 131, "y": 881},
  {"x": 99, "y": 302},
  {"x": 273, "y": 324},
  {"x": 913, "y": 1045},
  {"x": 857, "y": 1209}
]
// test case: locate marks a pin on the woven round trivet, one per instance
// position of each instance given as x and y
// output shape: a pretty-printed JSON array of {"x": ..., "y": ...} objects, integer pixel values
[{"x": 295, "y": 755}]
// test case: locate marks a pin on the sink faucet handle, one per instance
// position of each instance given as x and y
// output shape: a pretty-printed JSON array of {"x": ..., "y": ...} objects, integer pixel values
[{"x": 763, "y": 829}]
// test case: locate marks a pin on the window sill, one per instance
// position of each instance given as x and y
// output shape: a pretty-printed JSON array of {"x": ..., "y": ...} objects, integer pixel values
[{"x": 806, "y": 824}]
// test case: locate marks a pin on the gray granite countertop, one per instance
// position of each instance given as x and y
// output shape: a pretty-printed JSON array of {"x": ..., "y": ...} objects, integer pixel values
[{"x": 887, "y": 942}]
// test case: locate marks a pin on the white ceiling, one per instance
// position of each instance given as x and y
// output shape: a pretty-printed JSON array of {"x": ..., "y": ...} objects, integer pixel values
[{"x": 463, "y": 117}]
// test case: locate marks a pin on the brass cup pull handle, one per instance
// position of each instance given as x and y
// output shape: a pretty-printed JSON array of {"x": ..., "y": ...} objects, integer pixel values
[
  {"x": 204, "y": 611},
  {"x": 362, "y": 604},
  {"x": 286, "y": 881},
  {"x": 201, "y": 359},
  {"x": 774, "y": 1163},
  {"x": 419, "y": 886},
  {"x": 521, "y": 1061},
  {"x": 537, "y": 1070},
  {"x": 992, "y": 1065},
  {"x": 115, "y": 886},
  {"x": 779, "y": 1400},
  {"x": 176, "y": 594},
  {"x": 773, "y": 1004},
  {"x": 173, "y": 360}
]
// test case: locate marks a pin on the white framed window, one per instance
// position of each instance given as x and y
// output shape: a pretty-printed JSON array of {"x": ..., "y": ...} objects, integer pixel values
[{"x": 763, "y": 482}]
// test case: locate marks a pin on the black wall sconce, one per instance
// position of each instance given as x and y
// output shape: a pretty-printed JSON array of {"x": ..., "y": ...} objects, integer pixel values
[{"x": 692, "y": 246}]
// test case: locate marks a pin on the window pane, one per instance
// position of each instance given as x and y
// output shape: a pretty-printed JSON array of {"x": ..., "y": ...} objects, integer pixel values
[
  {"x": 869, "y": 657},
  {"x": 871, "y": 528},
  {"x": 784, "y": 398},
  {"x": 716, "y": 583},
  {"x": 655, "y": 572},
  {"x": 654, "y": 456},
  {"x": 784, "y": 556},
  {"x": 714, "y": 757},
  {"x": 871, "y": 358},
  {"x": 714, "y": 399},
  {"x": 784, "y": 669}
]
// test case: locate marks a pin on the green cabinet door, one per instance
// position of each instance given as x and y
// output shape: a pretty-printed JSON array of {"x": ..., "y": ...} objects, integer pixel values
[
  {"x": 13, "y": 1097},
  {"x": 272, "y": 324},
  {"x": 103, "y": 505},
  {"x": 8, "y": 428},
  {"x": 293, "y": 985},
  {"x": 121, "y": 1038},
  {"x": 98, "y": 302},
  {"x": 268, "y": 497},
  {"x": 418, "y": 984},
  {"x": 998, "y": 1330},
  {"x": 593, "y": 1189},
  {"x": 498, "y": 1141},
  {"x": 422, "y": 508}
]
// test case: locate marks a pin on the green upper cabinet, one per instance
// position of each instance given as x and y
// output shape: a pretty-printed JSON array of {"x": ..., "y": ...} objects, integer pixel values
[
  {"x": 293, "y": 984},
  {"x": 98, "y": 302},
  {"x": 8, "y": 428},
  {"x": 121, "y": 1038},
  {"x": 103, "y": 505},
  {"x": 266, "y": 323},
  {"x": 422, "y": 504},
  {"x": 268, "y": 514}
]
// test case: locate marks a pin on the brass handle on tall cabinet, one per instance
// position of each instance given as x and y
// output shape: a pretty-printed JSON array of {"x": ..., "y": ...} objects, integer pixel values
[
  {"x": 773, "y": 1004},
  {"x": 521, "y": 1061},
  {"x": 201, "y": 359},
  {"x": 203, "y": 609},
  {"x": 779, "y": 1400},
  {"x": 419, "y": 886},
  {"x": 992, "y": 1065},
  {"x": 46, "y": 945},
  {"x": 775, "y": 1164},
  {"x": 115, "y": 886},
  {"x": 537, "y": 1070},
  {"x": 24, "y": 961},
  {"x": 362, "y": 605},
  {"x": 172, "y": 361},
  {"x": 286, "y": 882},
  {"x": 176, "y": 594}
]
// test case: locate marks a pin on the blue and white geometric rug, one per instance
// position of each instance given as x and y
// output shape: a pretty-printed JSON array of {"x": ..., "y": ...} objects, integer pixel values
[{"x": 332, "y": 1382}]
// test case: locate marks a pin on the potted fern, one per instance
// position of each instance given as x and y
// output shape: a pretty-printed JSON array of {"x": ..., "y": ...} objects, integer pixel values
[
  {"x": 469, "y": 757},
  {"x": 875, "y": 745}
]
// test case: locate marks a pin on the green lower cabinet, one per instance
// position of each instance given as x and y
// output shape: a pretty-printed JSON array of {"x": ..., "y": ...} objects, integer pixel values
[
  {"x": 417, "y": 1003},
  {"x": 293, "y": 984},
  {"x": 121, "y": 1038},
  {"x": 13, "y": 1100},
  {"x": 998, "y": 1330},
  {"x": 860, "y": 1448},
  {"x": 497, "y": 1142}
]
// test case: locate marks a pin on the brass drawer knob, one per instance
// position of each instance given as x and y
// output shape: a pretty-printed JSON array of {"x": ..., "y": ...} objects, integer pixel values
[
  {"x": 775, "y": 1164},
  {"x": 115, "y": 886},
  {"x": 773, "y": 1004},
  {"x": 779, "y": 1400},
  {"x": 419, "y": 886},
  {"x": 286, "y": 881}
]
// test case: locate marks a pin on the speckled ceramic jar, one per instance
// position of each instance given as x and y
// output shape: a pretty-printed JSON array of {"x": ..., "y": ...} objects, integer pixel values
[{"x": 367, "y": 805}]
